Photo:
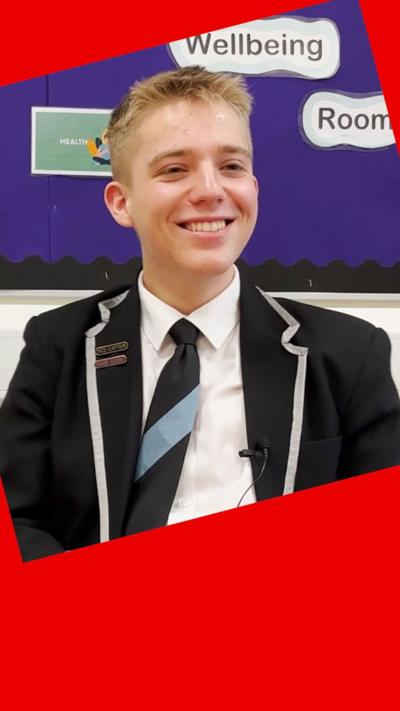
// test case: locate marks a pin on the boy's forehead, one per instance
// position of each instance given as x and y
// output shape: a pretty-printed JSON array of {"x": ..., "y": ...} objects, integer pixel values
[{"x": 177, "y": 125}]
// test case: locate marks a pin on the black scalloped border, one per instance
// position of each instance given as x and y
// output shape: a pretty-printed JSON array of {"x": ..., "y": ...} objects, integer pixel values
[{"x": 34, "y": 273}]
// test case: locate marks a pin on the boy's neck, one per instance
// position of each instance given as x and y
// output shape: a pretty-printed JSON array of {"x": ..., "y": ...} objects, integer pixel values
[{"x": 189, "y": 294}]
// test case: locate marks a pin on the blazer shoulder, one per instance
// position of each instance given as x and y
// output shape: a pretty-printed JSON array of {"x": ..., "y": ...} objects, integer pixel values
[
  {"x": 77, "y": 316},
  {"x": 347, "y": 348},
  {"x": 316, "y": 319}
]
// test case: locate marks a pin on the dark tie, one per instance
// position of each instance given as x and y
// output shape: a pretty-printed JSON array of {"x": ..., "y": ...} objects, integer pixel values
[{"x": 166, "y": 434}]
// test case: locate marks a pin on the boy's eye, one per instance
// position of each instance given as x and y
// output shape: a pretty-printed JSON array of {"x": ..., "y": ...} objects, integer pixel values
[
  {"x": 172, "y": 170},
  {"x": 233, "y": 166}
]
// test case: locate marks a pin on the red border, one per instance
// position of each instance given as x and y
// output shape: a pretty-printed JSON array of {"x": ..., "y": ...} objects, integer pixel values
[{"x": 292, "y": 603}]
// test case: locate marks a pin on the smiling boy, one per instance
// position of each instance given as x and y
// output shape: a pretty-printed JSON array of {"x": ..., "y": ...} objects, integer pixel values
[
  {"x": 187, "y": 189},
  {"x": 128, "y": 410}
]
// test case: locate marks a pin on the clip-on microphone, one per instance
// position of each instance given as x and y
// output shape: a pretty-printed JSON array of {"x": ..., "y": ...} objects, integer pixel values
[{"x": 262, "y": 450}]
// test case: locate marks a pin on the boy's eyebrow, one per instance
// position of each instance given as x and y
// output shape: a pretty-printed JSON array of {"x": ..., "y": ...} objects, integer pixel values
[
  {"x": 181, "y": 152},
  {"x": 177, "y": 153},
  {"x": 229, "y": 148}
]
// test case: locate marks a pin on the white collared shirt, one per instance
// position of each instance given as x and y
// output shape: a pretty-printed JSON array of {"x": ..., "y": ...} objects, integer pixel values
[{"x": 213, "y": 476}]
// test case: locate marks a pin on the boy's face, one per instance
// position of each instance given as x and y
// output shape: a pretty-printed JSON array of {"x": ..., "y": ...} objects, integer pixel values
[{"x": 192, "y": 197}]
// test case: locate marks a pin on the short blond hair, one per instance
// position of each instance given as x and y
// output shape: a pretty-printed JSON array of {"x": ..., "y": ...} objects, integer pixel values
[{"x": 191, "y": 83}]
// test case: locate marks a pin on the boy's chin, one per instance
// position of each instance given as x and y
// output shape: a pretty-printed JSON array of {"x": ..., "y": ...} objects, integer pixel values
[{"x": 212, "y": 267}]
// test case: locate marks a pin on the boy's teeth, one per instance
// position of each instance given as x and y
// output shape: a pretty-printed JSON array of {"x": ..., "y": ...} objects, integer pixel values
[{"x": 206, "y": 226}]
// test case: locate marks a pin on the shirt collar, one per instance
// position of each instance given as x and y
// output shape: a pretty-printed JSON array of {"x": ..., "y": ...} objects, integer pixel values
[{"x": 215, "y": 319}]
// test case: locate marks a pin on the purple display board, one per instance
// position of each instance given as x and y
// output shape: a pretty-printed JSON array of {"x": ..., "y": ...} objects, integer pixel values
[{"x": 329, "y": 218}]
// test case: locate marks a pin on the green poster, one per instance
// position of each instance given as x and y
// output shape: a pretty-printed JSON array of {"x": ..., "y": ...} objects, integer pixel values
[{"x": 70, "y": 141}]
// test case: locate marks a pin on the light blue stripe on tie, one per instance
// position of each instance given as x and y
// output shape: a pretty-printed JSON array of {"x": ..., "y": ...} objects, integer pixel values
[{"x": 167, "y": 432}]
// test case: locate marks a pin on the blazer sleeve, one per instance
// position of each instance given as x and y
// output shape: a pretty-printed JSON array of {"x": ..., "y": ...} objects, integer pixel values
[
  {"x": 371, "y": 424},
  {"x": 25, "y": 444}
]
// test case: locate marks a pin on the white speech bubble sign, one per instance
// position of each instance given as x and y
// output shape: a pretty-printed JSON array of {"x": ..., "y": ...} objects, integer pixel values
[
  {"x": 284, "y": 46},
  {"x": 337, "y": 119}
]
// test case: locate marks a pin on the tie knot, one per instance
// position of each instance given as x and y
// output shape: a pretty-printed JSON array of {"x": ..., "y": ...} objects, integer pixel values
[{"x": 184, "y": 333}]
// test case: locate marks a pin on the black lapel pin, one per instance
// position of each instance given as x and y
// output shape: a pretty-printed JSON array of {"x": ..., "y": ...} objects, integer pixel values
[{"x": 112, "y": 348}]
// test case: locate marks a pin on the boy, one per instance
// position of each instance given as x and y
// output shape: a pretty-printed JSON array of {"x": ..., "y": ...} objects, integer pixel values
[{"x": 128, "y": 410}]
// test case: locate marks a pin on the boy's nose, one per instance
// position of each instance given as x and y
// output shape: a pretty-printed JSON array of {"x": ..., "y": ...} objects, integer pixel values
[{"x": 207, "y": 185}]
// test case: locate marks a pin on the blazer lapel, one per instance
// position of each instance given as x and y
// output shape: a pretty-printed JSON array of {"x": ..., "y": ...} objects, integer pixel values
[
  {"x": 116, "y": 418},
  {"x": 273, "y": 372}
]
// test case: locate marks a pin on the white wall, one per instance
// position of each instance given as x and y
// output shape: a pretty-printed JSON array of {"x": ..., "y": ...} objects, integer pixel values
[{"x": 17, "y": 307}]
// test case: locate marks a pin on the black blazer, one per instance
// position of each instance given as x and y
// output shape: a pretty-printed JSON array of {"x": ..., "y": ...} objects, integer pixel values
[{"x": 316, "y": 382}]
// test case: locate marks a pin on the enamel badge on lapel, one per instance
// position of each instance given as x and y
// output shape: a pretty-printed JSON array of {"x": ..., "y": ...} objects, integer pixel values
[
  {"x": 109, "y": 362},
  {"x": 107, "y": 350},
  {"x": 112, "y": 348}
]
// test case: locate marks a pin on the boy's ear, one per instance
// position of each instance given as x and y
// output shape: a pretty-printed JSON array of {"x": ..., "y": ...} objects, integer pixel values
[
  {"x": 115, "y": 197},
  {"x": 256, "y": 184}
]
